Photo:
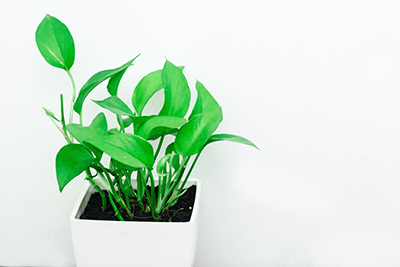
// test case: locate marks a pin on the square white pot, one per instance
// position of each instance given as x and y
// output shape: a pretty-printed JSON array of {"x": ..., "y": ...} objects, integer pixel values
[{"x": 115, "y": 243}]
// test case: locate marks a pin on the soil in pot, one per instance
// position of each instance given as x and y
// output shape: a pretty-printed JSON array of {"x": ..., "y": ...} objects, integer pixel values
[{"x": 180, "y": 212}]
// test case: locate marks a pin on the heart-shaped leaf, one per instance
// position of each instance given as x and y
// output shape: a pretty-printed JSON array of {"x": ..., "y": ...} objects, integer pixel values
[
  {"x": 71, "y": 160},
  {"x": 55, "y": 43},
  {"x": 156, "y": 126},
  {"x": 126, "y": 148},
  {"x": 146, "y": 88},
  {"x": 94, "y": 81},
  {"x": 193, "y": 136}
]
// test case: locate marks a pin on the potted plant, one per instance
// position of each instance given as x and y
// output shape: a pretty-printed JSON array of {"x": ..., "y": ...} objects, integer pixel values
[{"x": 131, "y": 167}]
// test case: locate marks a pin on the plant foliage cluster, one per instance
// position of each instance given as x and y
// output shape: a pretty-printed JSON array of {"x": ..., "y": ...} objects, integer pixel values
[{"x": 134, "y": 147}]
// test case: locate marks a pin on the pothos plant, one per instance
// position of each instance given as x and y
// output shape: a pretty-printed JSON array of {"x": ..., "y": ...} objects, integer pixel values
[{"x": 130, "y": 146}]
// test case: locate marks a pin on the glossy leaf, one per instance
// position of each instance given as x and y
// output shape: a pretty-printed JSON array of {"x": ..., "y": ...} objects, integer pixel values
[
  {"x": 146, "y": 88},
  {"x": 97, "y": 128},
  {"x": 55, "y": 43},
  {"x": 205, "y": 102},
  {"x": 71, "y": 160},
  {"x": 115, "y": 105},
  {"x": 126, "y": 148},
  {"x": 230, "y": 138},
  {"x": 193, "y": 136},
  {"x": 176, "y": 91},
  {"x": 94, "y": 81},
  {"x": 155, "y": 126}
]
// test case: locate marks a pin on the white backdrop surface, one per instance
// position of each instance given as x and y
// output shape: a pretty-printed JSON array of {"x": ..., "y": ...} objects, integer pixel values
[{"x": 315, "y": 84}]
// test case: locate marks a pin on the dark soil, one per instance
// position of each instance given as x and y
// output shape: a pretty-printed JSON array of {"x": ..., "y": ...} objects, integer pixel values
[{"x": 180, "y": 212}]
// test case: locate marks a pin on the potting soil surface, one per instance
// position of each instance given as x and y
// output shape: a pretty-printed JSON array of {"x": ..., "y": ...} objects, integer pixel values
[{"x": 180, "y": 212}]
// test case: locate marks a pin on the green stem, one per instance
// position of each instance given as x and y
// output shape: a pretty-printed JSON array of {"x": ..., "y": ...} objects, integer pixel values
[
  {"x": 117, "y": 213},
  {"x": 58, "y": 127},
  {"x": 175, "y": 183},
  {"x": 113, "y": 192},
  {"x": 121, "y": 123},
  {"x": 121, "y": 189},
  {"x": 97, "y": 188},
  {"x": 128, "y": 176},
  {"x": 159, "y": 146},
  {"x": 152, "y": 187},
  {"x": 71, "y": 111},
  {"x": 140, "y": 187},
  {"x": 63, "y": 121},
  {"x": 189, "y": 172}
]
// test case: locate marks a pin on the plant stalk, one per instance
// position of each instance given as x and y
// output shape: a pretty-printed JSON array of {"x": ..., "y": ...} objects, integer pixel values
[
  {"x": 159, "y": 146},
  {"x": 71, "y": 110},
  {"x": 63, "y": 121},
  {"x": 117, "y": 213},
  {"x": 113, "y": 192},
  {"x": 97, "y": 188}
]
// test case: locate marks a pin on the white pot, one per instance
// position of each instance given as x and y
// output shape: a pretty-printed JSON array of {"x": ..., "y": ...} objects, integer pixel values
[{"x": 115, "y": 243}]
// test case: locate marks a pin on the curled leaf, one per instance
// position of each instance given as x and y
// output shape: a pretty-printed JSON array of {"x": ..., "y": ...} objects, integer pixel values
[
  {"x": 176, "y": 91},
  {"x": 146, "y": 88},
  {"x": 94, "y": 81}
]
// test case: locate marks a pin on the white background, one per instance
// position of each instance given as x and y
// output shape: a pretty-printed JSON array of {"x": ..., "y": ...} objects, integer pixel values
[{"x": 315, "y": 84}]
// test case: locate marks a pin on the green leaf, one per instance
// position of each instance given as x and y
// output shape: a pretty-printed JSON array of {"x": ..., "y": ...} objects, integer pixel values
[
  {"x": 230, "y": 138},
  {"x": 156, "y": 126},
  {"x": 94, "y": 81},
  {"x": 126, "y": 148},
  {"x": 146, "y": 88},
  {"x": 115, "y": 105},
  {"x": 114, "y": 131},
  {"x": 71, "y": 160},
  {"x": 116, "y": 165},
  {"x": 113, "y": 83},
  {"x": 97, "y": 128},
  {"x": 205, "y": 101},
  {"x": 193, "y": 136},
  {"x": 55, "y": 43},
  {"x": 176, "y": 91},
  {"x": 138, "y": 121},
  {"x": 175, "y": 160},
  {"x": 127, "y": 122},
  {"x": 161, "y": 167}
]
